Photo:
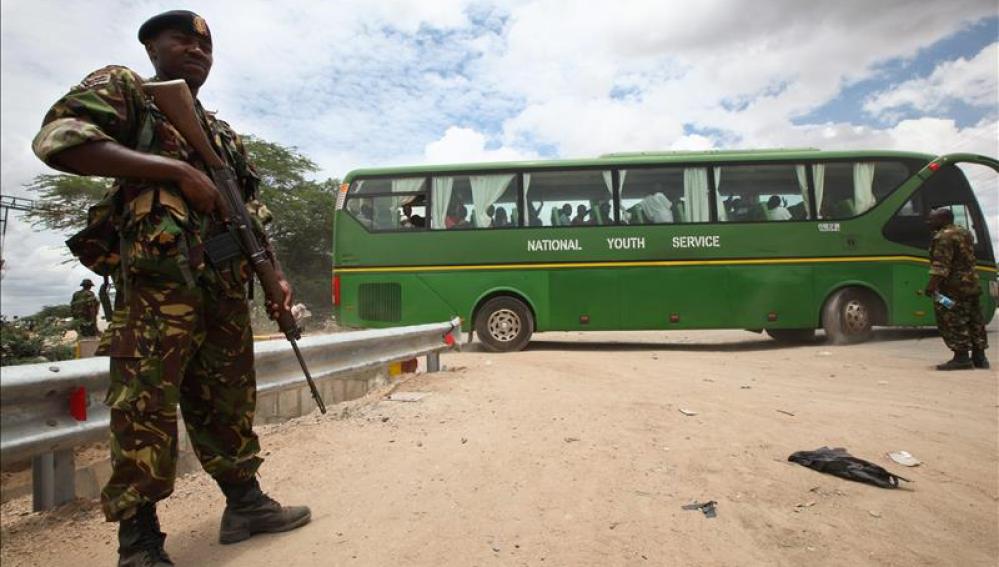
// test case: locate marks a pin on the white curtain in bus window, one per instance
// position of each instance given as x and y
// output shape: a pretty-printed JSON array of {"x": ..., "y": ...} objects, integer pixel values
[
  {"x": 486, "y": 190},
  {"x": 533, "y": 214},
  {"x": 722, "y": 214},
  {"x": 600, "y": 213},
  {"x": 863, "y": 187},
  {"x": 696, "y": 205},
  {"x": 440, "y": 200},
  {"x": 818, "y": 178}
]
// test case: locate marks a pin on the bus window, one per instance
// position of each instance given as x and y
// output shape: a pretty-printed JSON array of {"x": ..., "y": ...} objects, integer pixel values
[
  {"x": 772, "y": 192},
  {"x": 848, "y": 189},
  {"x": 566, "y": 198},
  {"x": 382, "y": 204},
  {"x": 474, "y": 201},
  {"x": 651, "y": 196}
]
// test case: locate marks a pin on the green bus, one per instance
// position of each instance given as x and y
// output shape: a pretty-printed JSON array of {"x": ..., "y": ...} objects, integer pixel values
[{"x": 788, "y": 241}]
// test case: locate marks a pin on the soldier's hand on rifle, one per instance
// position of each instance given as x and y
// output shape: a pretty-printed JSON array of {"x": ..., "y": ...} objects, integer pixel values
[
  {"x": 275, "y": 309},
  {"x": 199, "y": 189}
]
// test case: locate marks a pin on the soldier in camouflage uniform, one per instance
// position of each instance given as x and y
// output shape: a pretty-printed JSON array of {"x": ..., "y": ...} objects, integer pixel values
[
  {"x": 181, "y": 330},
  {"x": 84, "y": 307},
  {"x": 952, "y": 274}
]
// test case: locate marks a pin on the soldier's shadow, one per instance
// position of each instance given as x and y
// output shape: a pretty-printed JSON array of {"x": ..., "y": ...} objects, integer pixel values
[{"x": 199, "y": 545}]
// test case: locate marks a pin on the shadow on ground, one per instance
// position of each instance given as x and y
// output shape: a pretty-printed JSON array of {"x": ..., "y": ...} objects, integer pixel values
[{"x": 751, "y": 342}]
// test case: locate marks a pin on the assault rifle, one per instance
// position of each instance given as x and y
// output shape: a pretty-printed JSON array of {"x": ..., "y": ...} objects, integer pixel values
[
  {"x": 105, "y": 296},
  {"x": 174, "y": 100}
]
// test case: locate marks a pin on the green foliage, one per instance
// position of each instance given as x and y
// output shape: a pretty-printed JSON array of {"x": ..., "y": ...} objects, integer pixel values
[
  {"x": 37, "y": 338},
  {"x": 64, "y": 199},
  {"x": 302, "y": 229},
  {"x": 56, "y": 311}
]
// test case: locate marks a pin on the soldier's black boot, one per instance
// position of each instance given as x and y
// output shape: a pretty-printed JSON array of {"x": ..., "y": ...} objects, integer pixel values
[
  {"x": 979, "y": 359},
  {"x": 249, "y": 511},
  {"x": 961, "y": 361},
  {"x": 140, "y": 541}
]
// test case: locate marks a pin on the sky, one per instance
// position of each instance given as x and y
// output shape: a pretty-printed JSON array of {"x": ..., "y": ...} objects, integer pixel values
[{"x": 365, "y": 83}]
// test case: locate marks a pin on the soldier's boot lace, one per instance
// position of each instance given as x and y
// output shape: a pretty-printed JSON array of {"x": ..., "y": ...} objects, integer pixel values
[
  {"x": 140, "y": 541},
  {"x": 961, "y": 361},
  {"x": 979, "y": 359},
  {"x": 249, "y": 511}
]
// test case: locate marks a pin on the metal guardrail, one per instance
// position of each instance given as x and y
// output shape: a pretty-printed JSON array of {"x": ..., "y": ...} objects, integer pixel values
[{"x": 36, "y": 421}]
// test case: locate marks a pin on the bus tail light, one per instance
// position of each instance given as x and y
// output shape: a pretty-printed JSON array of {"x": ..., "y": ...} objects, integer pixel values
[{"x": 336, "y": 289}]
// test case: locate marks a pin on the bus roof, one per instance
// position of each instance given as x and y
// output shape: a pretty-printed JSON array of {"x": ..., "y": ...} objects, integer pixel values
[{"x": 638, "y": 158}]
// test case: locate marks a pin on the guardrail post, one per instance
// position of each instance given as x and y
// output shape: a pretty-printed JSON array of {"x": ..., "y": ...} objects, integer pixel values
[
  {"x": 433, "y": 362},
  {"x": 52, "y": 479}
]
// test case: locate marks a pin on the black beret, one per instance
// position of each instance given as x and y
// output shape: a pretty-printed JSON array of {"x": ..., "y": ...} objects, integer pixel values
[{"x": 183, "y": 20}]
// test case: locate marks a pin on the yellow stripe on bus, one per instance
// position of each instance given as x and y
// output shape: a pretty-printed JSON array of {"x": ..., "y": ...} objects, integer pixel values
[{"x": 640, "y": 263}]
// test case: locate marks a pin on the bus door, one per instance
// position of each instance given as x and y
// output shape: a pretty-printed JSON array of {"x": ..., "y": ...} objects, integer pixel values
[{"x": 946, "y": 185}]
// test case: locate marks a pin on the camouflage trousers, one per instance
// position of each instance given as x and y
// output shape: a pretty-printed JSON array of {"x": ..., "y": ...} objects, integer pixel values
[
  {"x": 85, "y": 327},
  {"x": 962, "y": 326},
  {"x": 172, "y": 344}
]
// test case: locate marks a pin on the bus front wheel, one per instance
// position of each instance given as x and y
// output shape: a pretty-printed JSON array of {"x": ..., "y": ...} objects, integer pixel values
[
  {"x": 848, "y": 316},
  {"x": 504, "y": 324}
]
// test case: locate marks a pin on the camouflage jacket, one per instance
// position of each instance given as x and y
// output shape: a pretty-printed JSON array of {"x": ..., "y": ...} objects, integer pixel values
[
  {"x": 84, "y": 305},
  {"x": 161, "y": 236},
  {"x": 952, "y": 257}
]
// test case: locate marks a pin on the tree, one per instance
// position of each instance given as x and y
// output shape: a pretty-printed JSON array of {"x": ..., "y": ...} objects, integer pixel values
[
  {"x": 302, "y": 230},
  {"x": 64, "y": 200}
]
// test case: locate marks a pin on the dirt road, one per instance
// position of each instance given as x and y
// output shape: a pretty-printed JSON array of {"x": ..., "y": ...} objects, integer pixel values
[{"x": 575, "y": 452}]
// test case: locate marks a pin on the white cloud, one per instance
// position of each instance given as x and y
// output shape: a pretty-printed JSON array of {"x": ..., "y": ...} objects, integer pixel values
[
  {"x": 467, "y": 145},
  {"x": 710, "y": 64},
  {"x": 973, "y": 82}
]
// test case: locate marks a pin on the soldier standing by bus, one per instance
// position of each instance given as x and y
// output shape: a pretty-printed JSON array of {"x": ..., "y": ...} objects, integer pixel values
[{"x": 955, "y": 291}]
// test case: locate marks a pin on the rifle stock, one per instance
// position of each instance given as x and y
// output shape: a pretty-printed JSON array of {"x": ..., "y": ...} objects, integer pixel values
[{"x": 175, "y": 101}]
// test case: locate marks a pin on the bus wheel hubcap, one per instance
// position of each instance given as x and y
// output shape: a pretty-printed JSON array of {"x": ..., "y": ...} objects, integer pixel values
[
  {"x": 504, "y": 325},
  {"x": 855, "y": 317}
]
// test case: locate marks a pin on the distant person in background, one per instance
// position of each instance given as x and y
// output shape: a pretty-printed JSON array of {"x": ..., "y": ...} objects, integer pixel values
[
  {"x": 84, "y": 306},
  {"x": 776, "y": 211},
  {"x": 581, "y": 212},
  {"x": 952, "y": 275}
]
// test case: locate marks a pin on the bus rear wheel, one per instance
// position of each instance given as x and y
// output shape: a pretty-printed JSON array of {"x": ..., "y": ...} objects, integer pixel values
[
  {"x": 848, "y": 316},
  {"x": 792, "y": 336},
  {"x": 504, "y": 324}
]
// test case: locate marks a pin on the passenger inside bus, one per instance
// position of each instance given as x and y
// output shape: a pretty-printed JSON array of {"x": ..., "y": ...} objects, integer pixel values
[
  {"x": 457, "y": 217},
  {"x": 776, "y": 211},
  {"x": 605, "y": 216},
  {"x": 500, "y": 219},
  {"x": 565, "y": 215},
  {"x": 581, "y": 213},
  {"x": 411, "y": 220},
  {"x": 534, "y": 214}
]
